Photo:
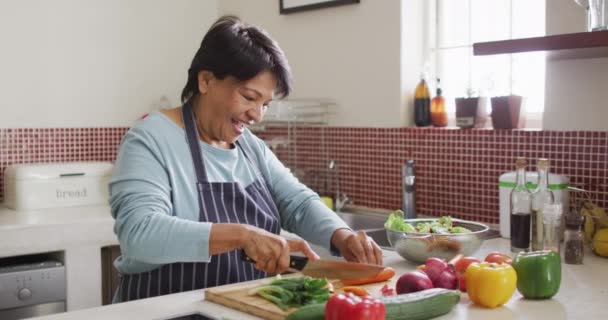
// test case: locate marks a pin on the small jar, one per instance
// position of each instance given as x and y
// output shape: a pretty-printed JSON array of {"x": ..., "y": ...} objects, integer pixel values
[{"x": 574, "y": 239}]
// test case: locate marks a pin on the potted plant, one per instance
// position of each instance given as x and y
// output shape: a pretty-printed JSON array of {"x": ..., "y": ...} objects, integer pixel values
[
  {"x": 466, "y": 110},
  {"x": 507, "y": 112}
]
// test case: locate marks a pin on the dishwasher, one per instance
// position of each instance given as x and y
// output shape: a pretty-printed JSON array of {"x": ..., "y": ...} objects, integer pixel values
[{"x": 31, "y": 286}]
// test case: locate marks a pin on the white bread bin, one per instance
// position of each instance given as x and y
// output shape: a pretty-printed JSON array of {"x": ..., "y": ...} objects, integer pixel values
[{"x": 52, "y": 185}]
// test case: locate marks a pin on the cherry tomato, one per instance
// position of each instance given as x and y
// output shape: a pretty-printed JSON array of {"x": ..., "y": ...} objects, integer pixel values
[
  {"x": 461, "y": 267},
  {"x": 499, "y": 257}
]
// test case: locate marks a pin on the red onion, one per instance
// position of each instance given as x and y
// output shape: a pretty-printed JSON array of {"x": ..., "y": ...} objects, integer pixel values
[
  {"x": 434, "y": 267},
  {"x": 412, "y": 282},
  {"x": 447, "y": 279}
]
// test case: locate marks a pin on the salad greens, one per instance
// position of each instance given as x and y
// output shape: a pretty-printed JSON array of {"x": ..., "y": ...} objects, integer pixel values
[
  {"x": 442, "y": 225},
  {"x": 396, "y": 222},
  {"x": 294, "y": 292}
]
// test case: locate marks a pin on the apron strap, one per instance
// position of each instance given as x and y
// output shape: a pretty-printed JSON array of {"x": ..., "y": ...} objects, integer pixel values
[
  {"x": 192, "y": 140},
  {"x": 195, "y": 150}
]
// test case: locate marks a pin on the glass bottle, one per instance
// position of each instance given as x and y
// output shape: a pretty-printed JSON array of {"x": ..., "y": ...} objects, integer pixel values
[
  {"x": 574, "y": 239},
  {"x": 422, "y": 104},
  {"x": 521, "y": 209},
  {"x": 439, "y": 117},
  {"x": 541, "y": 196},
  {"x": 552, "y": 217}
]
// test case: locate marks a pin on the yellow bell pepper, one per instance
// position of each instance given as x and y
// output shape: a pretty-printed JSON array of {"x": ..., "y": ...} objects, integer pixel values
[{"x": 490, "y": 284}]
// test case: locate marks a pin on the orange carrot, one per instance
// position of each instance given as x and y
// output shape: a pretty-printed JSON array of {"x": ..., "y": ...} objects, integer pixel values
[
  {"x": 359, "y": 291},
  {"x": 384, "y": 275}
]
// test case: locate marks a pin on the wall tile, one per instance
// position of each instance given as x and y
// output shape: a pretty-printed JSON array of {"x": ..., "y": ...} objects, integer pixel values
[
  {"x": 44, "y": 145},
  {"x": 457, "y": 170}
]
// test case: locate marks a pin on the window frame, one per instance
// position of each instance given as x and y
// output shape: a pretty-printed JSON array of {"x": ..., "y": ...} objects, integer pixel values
[{"x": 534, "y": 119}]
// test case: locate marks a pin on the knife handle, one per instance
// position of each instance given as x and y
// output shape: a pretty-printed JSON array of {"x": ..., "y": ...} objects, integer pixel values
[{"x": 295, "y": 262}]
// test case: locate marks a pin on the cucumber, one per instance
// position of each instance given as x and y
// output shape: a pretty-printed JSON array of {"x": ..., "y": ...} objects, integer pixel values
[
  {"x": 309, "y": 312},
  {"x": 420, "y": 305}
]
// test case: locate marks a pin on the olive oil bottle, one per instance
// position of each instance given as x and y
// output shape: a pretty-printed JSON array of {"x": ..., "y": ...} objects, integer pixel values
[
  {"x": 541, "y": 196},
  {"x": 422, "y": 104}
]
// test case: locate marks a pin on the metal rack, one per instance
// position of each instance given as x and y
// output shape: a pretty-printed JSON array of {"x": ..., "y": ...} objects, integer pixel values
[{"x": 290, "y": 115}]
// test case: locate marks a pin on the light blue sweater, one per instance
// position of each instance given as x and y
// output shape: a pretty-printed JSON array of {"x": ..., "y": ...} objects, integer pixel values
[{"x": 154, "y": 199}]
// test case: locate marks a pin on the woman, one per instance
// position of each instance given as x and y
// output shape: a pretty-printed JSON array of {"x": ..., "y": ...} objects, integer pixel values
[{"x": 193, "y": 188}]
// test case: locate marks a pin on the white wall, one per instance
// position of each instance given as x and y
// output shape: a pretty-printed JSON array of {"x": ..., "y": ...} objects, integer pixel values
[
  {"x": 82, "y": 63},
  {"x": 575, "y": 90},
  {"x": 414, "y": 52},
  {"x": 349, "y": 53},
  {"x": 89, "y": 63}
]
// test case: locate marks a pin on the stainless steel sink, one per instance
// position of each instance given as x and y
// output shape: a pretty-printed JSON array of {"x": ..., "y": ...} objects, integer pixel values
[
  {"x": 379, "y": 235},
  {"x": 363, "y": 221},
  {"x": 371, "y": 223}
]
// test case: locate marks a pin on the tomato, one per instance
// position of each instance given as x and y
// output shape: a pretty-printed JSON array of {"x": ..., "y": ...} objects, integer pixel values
[
  {"x": 499, "y": 257},
  {"x": 461, "y": 267}
]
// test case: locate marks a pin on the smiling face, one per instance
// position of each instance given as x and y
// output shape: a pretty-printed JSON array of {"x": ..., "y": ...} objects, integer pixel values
[{"x": 225, "y": 107}]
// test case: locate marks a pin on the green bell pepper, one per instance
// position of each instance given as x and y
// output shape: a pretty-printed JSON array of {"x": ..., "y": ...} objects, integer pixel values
[{"x": 539, "y": 274}]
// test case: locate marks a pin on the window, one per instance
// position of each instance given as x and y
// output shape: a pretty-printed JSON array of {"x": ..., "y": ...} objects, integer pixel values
[{"x": 454, "y": 25}]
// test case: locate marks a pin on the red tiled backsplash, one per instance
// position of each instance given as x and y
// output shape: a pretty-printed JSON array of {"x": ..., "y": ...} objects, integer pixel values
[
  {"x": 33, "y": 145},
  {"x": 457, "y": 170}
]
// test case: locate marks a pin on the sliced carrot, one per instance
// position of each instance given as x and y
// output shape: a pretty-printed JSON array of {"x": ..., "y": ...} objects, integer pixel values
[
  {"x": 384, "y": 275},
  {"x": 359, "y": 291},
  {"x": 421, "y": 267}
]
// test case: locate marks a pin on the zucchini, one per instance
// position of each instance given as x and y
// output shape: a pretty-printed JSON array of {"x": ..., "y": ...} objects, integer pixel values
[
  {"x": 314, "y": 311},
  {"x": 420, "y": 305}
]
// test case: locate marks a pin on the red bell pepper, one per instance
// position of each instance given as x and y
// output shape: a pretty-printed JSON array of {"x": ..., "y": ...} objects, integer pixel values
[{"x": 349, "y": 306}]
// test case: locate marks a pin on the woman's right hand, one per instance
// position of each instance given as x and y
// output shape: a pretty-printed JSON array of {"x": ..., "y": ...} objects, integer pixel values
[{"x": 270, "y": 251}]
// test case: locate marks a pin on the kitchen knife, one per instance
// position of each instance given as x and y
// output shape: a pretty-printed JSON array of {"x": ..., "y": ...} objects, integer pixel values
[{"x": 327, "y": 268}]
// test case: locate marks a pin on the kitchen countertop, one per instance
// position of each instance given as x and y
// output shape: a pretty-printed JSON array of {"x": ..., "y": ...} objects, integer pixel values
[
  {"x": 24, "y": 232},
  {"x": 583, "y": 291}
]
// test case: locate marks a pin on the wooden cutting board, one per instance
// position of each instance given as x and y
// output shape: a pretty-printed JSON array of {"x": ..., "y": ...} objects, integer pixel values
[{"x": 236, "y": 296}]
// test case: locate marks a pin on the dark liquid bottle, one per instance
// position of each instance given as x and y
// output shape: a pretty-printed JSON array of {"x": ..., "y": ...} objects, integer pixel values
[
  {"x": 521, "y": 210},
  {"x": 422, "y": 105},
  {"x": 520, "y": 231}
]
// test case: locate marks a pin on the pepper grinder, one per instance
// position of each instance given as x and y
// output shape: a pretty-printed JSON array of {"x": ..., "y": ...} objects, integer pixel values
[{"x": 574, "y": 239}]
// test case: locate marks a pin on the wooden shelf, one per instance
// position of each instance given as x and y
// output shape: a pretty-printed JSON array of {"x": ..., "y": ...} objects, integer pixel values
[{"x": 565, "y": 46}]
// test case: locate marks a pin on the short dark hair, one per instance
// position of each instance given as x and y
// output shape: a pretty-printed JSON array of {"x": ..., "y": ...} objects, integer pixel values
[{"x": 233, "y": 48}]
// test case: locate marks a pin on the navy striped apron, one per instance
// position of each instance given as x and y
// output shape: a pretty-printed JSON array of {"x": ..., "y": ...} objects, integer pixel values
[{"x": 219, "y": 202}]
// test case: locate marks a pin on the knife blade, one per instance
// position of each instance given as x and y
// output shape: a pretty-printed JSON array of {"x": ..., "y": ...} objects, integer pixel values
[{"x": 328, "y": 268}]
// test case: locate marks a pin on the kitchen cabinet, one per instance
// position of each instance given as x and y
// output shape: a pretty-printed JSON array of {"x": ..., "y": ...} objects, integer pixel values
[
  {"x": 579, "y": 45},
  {"x": 109, "y": 274}
]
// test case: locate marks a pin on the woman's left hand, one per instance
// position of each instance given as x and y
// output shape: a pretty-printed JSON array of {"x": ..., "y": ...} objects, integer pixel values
[{"x": 357, "y": 246}]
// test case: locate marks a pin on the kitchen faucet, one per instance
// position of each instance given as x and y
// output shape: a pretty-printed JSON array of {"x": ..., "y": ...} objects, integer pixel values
[
  {"x": 341, "y": 198},
  {"x": 408, "y": 186}
]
